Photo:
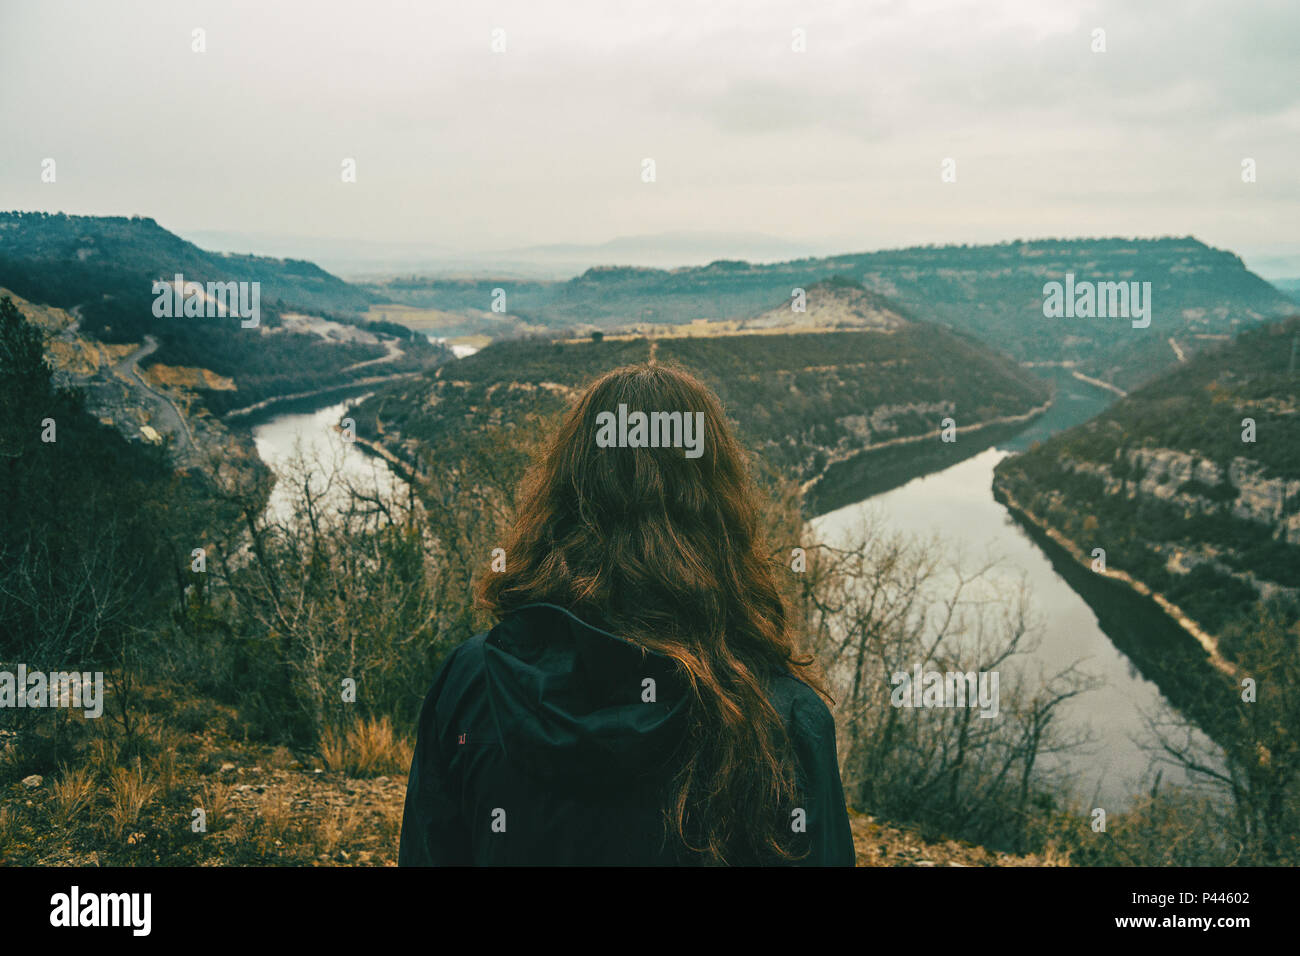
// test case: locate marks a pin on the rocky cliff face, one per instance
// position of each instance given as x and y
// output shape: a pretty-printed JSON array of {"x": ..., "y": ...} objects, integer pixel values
[
  {"x": 1191, "y": 485},
  {"x": 885, "y": 421},
  {"x": 1182, "y": 479}
]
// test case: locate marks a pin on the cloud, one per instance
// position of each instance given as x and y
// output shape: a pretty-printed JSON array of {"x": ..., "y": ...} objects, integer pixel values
[{"x": 543, "y": 143}]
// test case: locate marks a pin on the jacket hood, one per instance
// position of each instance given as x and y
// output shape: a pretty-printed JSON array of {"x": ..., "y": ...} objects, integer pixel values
[{"x": 570, "y": 700}]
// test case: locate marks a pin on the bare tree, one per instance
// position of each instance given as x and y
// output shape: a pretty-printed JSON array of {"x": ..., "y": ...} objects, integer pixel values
[{"x": 881, "y": 606}]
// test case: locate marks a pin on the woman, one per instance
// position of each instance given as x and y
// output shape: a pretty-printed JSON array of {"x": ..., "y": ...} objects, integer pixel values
[{"x": 638, "y": 702}]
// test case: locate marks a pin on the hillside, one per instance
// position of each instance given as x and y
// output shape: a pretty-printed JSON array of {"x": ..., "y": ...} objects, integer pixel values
[
  {"x": 836, "y": 303},
  {"x": 155, "y": 408},
  {"x": 70, "y": 252},
  {"x": 102, "y": 270},
  {"x": 992, "y": 292},
  {"x": 1164, "y": 482},
  {"x": 854, "y": 375}
]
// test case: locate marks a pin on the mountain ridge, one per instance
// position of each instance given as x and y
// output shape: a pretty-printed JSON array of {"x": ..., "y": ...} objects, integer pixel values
[{"x": 995, "y": 292}]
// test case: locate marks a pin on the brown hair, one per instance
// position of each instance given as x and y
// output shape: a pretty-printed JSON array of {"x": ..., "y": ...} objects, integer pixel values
[{"x": 668, "y": 551}]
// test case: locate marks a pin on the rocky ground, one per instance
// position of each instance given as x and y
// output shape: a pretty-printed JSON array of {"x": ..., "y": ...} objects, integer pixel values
[
  {"x": 183, "y": 784},
  {"x": 309, "y": 817},
  {"x": 887, "y": 844}
]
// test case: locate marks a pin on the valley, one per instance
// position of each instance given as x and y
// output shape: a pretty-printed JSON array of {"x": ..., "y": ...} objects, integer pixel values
[
  {"x": 806, "y": 397},
  {"x": 863, "y": 386},
  {"x": 1191, "y": 485}
]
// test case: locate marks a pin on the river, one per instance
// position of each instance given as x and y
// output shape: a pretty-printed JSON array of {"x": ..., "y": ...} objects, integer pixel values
[
  {"x": 291, "y": 440},
  {"x": 956, "y": 504},
  {"x": 314, "y": 440}
]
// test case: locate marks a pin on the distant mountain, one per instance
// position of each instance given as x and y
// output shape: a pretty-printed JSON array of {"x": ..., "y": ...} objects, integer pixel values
[
  {"x": 1191, "y": 485},
  {"x": 996, "y": 293},
  {"x": 341, "y": 256},
  {"x": 1289, "y": 287},
  {"x": 662, "y": 250},
  {"x": 1274, "y": 260},
  {"x": 809, "y": 397},
  {"x": 380, "y": 259}
]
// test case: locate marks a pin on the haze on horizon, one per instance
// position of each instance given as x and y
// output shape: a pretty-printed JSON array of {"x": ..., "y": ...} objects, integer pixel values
[{"x": 460, "y": 148}]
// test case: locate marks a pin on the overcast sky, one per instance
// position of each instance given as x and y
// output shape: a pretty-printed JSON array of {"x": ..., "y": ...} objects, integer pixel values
[{"x": 841, "y": 145}]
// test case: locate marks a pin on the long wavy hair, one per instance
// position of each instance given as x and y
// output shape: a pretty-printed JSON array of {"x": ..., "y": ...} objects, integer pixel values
[{"x": 668, "y": 551}]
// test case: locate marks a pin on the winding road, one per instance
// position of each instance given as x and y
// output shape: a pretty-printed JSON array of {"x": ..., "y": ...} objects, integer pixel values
[{"x": 129, "y": 367}]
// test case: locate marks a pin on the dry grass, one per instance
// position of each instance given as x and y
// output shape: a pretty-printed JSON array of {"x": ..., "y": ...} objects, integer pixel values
[
  {"x": 334, "y": 830},
  {"x": 7, "y": 827},
  {"x": 128, "y": 794},
  {"x": 214, "y": 799},
  {"x": 368, "y": 748},
  {"x": 104, "y": 754},
  {"x": 118, "y": 797},
  {"x": 389, "y": 827},
  {"x": 1054, "y": 855},
  {"x": 164, "y": 767},
  {"x": 161, "y": 735},
  {"x": 72, "y": 793},
  {"x": 282, "y": 759},
  {"x": 270, "y": 832},
  {"x": 277, "y": 818}
]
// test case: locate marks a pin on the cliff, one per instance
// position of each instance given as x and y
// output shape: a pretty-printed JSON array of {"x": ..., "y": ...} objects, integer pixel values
[{"x": 1190, "y": 485}]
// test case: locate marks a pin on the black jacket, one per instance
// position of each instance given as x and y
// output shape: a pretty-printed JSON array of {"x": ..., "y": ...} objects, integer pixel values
[{"x": 547, "y": 740}]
